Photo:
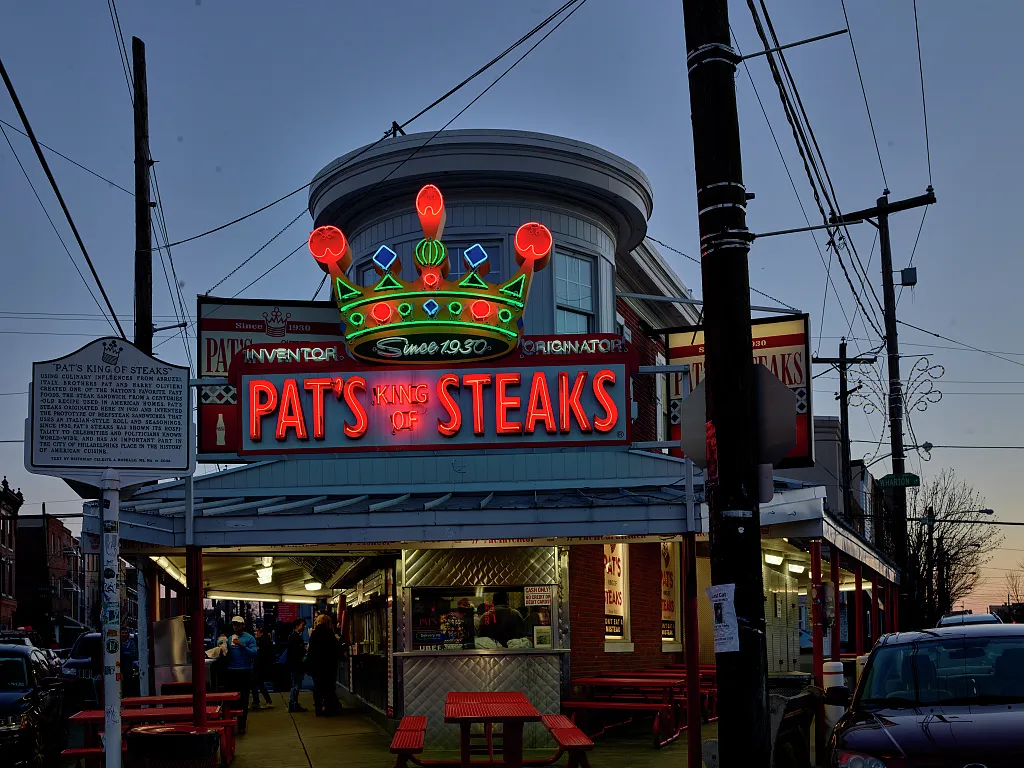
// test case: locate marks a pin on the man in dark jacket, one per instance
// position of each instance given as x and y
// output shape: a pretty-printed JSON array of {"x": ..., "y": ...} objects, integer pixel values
[
  {"x": 295, "y": 659},
  {"x": 263, "y": 668},
  {"x": 502, "y": 623}
]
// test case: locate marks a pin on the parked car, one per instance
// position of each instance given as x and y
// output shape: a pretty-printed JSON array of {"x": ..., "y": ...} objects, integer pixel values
[
  {"x": 83, "y": 671},
  {"x": 947, "y": 696},
  {"x": 966, "y": 617},
  {"x": 31, "y": 639},
  {"x": 31, "y": 692}
]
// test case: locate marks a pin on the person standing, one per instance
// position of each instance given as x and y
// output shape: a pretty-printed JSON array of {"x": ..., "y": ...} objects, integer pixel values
[
  {"x": 295, "y": 659},
  {"x": 263, "y": 668},
  {"x": 241, "y": 655},
  {"x": 322, "y": 660}
]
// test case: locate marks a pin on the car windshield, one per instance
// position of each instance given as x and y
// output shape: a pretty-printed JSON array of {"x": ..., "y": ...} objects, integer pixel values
[
  {"x": 945, "y": 671},
  {"x": 86, "y": 647},
  {"x": 13, "y": 673}
]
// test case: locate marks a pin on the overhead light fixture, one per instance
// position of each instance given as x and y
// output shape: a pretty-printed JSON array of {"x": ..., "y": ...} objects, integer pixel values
[
  {"x": 264, "y": 575},
  {"x": 267, "y": 561},
  {"x": 313, "y": 585},
  {"x": 847, "y": 587},
  {"x": 773, "y": 559},
  {"x": 794, "y": 568},
  {"x": 170, "y": 569},
  {"x": 259, "y": 597},
  {"x": 299, "y": 600}
]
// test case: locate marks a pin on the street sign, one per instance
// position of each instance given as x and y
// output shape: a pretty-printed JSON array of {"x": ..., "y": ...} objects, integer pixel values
[
  {"x": 906, "y": 480},
  {"x": 774, "y": 406},
  {"x": 109, "y": 406}
]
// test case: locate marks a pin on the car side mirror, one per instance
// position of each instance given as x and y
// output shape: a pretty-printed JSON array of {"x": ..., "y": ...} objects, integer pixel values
[{"x": 837, "y": 696}]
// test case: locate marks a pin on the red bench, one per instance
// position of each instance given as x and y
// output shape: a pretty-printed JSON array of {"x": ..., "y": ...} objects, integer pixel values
[
  {"x": 569, "y": 739},
  {"x": 89, "y": 756},
  {"x": 664, "y": 733},
  {"x": 408, "y": 740}
]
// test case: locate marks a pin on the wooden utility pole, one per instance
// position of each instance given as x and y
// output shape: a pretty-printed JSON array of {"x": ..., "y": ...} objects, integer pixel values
[
  {"x": 732, "y": 450},
  {"x": 843, "y": 363},
  {"x": 143, "y": 222},
  {"x": 882, "y": 210}
]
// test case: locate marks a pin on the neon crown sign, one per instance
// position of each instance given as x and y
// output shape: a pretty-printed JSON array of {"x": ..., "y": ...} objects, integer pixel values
[{"x": 432, "y": 318}]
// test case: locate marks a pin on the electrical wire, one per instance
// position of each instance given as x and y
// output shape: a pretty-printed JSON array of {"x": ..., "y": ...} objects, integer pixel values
[
  {"x": 913, "y": 252},
  {"x": 864, "y": 93},
  {"x": 697, "y": 261},
  {"x": 968, "y": 447},
  {"x": 57, "y": 193},
  {"x": 962, "y": 344},
  {"x": 259, "y": 250},
  {"x": 122, "y": 49},
  {"x": 55, "y": 230},
  {"x": 924, "y": 104},
  {"x": 73, "y": 162},
  {"x": 368, "y": 147}
]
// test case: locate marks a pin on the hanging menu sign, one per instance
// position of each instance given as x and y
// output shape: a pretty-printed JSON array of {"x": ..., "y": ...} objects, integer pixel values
[{"x": 110, "y": 406}]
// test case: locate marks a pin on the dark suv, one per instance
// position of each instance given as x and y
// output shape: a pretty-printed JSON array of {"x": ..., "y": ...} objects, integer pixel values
[
  {"x": 950, "y": 696},
  {"x": 83, "y": 671},
  {"x": 31, "y": 724}
]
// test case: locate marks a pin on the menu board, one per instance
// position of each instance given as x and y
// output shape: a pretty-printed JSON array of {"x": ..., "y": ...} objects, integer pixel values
[
  {"x": 110, "y": 406},
  {"x": 614, "y": 591}
]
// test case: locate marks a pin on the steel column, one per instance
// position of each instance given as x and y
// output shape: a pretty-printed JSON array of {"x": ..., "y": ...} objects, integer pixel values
[
  {"x": 834, "y": 568},
  {"x": 692, "y": 650},
  {"x": 194, "y": 577},
  {"x": 858, "y": 609}
]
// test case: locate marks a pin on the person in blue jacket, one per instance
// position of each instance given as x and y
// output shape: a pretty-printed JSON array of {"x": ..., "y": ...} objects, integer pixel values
[{"x": 241, "y": 655}]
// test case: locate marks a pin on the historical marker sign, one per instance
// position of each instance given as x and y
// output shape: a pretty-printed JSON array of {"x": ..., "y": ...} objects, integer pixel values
[{"x": 110, "y": 406}]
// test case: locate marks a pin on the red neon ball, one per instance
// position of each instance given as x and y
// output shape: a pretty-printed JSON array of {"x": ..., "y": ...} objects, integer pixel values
[
  {"x": 381, "y": 312},
  {"x": 533, "y": 241},
  {"x": 480, "y": 309},
  {"x": 431, "y": 279}
]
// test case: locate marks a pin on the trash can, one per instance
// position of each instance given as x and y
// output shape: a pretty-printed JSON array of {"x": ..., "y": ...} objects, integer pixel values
[{"x": 172, "y": 746}]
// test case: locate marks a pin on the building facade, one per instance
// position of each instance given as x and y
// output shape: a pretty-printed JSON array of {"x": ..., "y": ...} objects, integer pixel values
[
  {"x": 49, "y": 579},
  {"x": 10, "y": 503}
]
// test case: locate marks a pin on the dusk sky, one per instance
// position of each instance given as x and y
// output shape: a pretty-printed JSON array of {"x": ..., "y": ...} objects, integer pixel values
[{"x": 248, "y": 101}]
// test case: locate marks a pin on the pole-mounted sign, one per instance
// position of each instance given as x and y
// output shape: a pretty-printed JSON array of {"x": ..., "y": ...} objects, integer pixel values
[{"x": 109, "y": 415}]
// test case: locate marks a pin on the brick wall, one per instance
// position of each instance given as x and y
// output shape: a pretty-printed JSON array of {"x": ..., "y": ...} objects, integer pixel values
[
  {"x": 645, "y": 426},
  {"x": 586, "y": 611}
]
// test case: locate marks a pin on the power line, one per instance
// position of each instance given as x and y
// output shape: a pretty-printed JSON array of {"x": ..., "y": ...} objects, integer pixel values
[
  {"x": 954, "y": 341},
  {"x": 697, "y": 261},
  {"x": 913, "y": 252},
  {"x": 280, "y": 232},
  {"x": 368, "y": 147},
  {"x": 967, "y": 447},
  {"x": 864, "y": 93},
  {"x": 56, "y": 191},
  {"x": 924, "y": 104},
  {"x": 55, "y": 230},
  {"x": 122, "y": 51},
  {"x": 73, "y": 162}
]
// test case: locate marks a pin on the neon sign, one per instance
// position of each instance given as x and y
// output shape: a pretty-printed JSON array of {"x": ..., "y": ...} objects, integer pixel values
[
  {"x": 298, "y": 406},
  {"x": 432, "y": 318}
]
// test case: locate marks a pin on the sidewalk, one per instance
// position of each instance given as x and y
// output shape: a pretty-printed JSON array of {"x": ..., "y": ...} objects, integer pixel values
[{"x": 277, "y": 739}]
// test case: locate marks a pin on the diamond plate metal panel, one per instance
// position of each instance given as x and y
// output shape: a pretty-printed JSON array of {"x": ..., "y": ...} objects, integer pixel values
[
  {"x": 427, "y": 680},
  {"x": 495, "y": 567}
]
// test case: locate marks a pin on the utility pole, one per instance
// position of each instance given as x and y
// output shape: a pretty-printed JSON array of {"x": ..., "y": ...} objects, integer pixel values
[
  {"x": 732, "y": 477},
  {"x": 843, "y": 363},
  {"x": 882, "y": 210},
  {"x": 143, "y": 222},
  {"x": 929, "y": 553}
]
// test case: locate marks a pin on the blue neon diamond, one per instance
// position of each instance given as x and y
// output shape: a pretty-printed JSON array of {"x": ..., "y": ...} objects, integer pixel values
[
  {"x": 475, "y": 255},
  {"x": 430, "y": 307},
  {"x": 384, "y": 258}
]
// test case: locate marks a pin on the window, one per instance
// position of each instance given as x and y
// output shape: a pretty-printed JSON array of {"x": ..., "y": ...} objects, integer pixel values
[
  {"x": 670, "y": 626},
  {"x": 574, "y": 293},
  {"x": 616, "y": 592},
  {"x": 661, "y": 400},
  {"x": 454, "y": 618},
  {"x": 368, "y": 274},
  {"x": 457, "y": 264}
]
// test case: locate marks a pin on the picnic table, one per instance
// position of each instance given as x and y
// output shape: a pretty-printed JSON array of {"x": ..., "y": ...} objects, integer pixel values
[
  {"x": 179, "y": 699},
  {"x": 636, "y": 692},
  {"x": 93, "y": 719},
  {"x": 512, "y": 709}
]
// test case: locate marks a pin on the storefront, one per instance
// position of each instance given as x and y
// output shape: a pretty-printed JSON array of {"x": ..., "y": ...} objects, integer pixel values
[{"x": 462, "y": 452}]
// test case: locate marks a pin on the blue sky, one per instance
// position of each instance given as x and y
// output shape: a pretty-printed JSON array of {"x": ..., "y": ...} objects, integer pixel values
[{"x": 248, "y": 101}]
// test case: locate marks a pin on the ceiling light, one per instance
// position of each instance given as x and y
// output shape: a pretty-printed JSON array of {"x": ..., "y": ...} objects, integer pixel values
[
  {"x": 773, "y": 559},
  {"x": 170, "y": 569},
  {"x": 313, "y": 585},
  {"x": 267, "y": 561},
  {"x": 794, "y": 568},
  {"x": 264, "y": 575},
  {"x": 299, "y": 600}
]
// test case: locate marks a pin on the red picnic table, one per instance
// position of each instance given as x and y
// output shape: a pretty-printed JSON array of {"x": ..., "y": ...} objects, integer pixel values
[
  {"x": 179, "y": 699},
  {"x": 632, "y": 692},
  {"x": 512, "y": 709},
  {"x": 91, "y": 718}
]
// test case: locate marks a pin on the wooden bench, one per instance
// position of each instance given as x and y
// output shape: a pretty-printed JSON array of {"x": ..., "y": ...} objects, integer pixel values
[
  {"x": 408, "y": 740},
  {"x": 569, "y": 739},
  {"x": 664, "y": 733}
]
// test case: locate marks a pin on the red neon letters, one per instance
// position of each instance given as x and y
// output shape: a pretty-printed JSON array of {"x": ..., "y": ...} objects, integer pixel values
[{"x": 559, "y": 402}]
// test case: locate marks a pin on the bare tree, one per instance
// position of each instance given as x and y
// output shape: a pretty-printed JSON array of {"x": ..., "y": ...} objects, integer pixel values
[
  {"x": 1015, "y": 590},
  {"x": 962, "y": 543}
]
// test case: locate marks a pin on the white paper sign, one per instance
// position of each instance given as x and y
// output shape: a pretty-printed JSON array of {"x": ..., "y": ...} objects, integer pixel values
[
  {"x": 536, "y": 596},
  {"x": 110, "y": 406},
  {"x": 723, "y": 608}
]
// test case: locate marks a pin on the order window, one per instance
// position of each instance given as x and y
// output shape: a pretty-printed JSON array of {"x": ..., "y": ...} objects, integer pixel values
[
  {"x": 455, "y": 618},
  {"x": 616, "y": 592}
]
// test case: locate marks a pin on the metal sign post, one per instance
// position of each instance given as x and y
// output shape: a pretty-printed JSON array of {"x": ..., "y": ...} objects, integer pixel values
[{"x": 111, "y": 620}]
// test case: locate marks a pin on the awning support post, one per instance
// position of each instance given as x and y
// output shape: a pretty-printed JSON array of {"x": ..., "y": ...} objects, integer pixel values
[
  {"x": 692, "y": 649},
  {"x": 857, "y": 626},
  {"x": 194, "y": 578},
  {"x": 817, "y": 640},
  {"x": 875, "y": 626},
  {"x": 834, "y": 567}
]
